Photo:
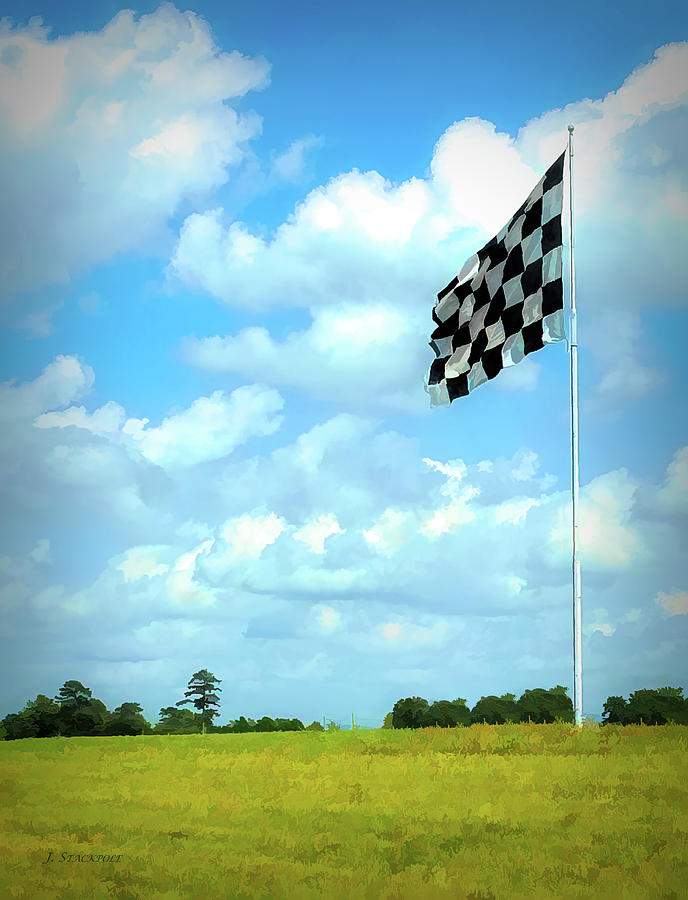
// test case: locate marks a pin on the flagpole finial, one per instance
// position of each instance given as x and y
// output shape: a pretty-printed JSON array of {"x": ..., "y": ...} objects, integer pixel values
[{"x": 570, "y": 129}]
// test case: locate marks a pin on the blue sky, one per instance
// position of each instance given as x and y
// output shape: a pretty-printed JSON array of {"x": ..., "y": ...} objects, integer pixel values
[{"x": 224, "y": 231}]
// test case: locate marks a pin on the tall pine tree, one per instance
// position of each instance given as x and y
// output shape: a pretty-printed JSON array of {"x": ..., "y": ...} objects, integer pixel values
[{"x": 202, "y": 684}]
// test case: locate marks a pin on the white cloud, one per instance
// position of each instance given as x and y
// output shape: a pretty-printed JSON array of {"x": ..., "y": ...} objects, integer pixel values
[
  {"x": 241, "y": 542},
  {"x": 389, "y": 532},
  {"x": 106, "y": 420},
  {"x": 450, "y": 517},
  {"x": 62, "y": 381},
  {"x": 211, "y": 427},
  {"x": 360, "y": 249},
  {"x": 456, "y": 468},
  {"x": 343, "y": 243},
  {"x": 182, "y": 585},
  {"x": 329, "y": 619},
  {"x": 143, "y": 562},
  {"x": 291, "y": 165},
  {"x": 446, "y": 519},
  {"x": 116, "y": 127},
  {"x": 515, "y": 584},
  {"x": 528, "y": 465},
  {"x": 608, "y": 538},
  {"x": 312, "y": 446},
  {"x": 464, "y": 157},
  {"x": 135, "y": 428},
  {"x": 49, "y": 466},
  {"x": 634, "y": 615},
  {"x": 314, "y": 533},
  {"x": 675, "y": 603},
  {"x": 247, "y": 536},
  {"x": 343, "y": 346},
  {"x": 236, "y": 562},
  {"x": 514, "y": 511}
]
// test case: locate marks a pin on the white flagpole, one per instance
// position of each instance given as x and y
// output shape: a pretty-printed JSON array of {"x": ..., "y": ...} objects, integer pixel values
[{"x": 573, "y": 350}]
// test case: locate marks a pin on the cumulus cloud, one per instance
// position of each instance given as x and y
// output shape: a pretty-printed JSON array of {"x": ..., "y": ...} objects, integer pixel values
[
  {"x": 338, "y": 245},
  {"x": 450, "y": 517},
  {"x": 366, "y": 256},
  {"x": 104, "y": 467},
  {"x": 400, "y": 543},
  {"x": 464, "y": 157},
  {"x": 314, "y": 533},
  {"x": 62, "y": 381},
  {"x": 344, "y": 346},
  {"x": 527, "y": 466},
  {"x": 317, "y": 444},
  {"x": 106, "y": 132},
  {"x": 240, "y": 543},
  {"x": 416, "y": 558},
  {"x": 108, "y": 419},
  {"x": 183, "y": 587},
  {"x": 57, "y": 458},
  {"x": 247, "y": 536},
  {"x": 343, "y": 465},
  {"x": 211, "y": 427},
  {"x": 143, "y": 562},
  {"x": 389, "y": 532},
  {"x": 454, "y": 469},
  {"x": 429, "y": 544},
  {"x": 608, "y": 538}
]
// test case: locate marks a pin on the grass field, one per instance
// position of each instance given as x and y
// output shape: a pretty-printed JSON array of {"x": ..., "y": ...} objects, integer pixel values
[{"x": 513, "y": 811}]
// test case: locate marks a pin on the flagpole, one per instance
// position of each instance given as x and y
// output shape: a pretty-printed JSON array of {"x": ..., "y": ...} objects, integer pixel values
[{"x": 573, "y": 351}]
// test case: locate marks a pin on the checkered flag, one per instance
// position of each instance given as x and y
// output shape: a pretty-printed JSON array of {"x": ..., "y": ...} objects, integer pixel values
[{"x": 507, "y": 300}]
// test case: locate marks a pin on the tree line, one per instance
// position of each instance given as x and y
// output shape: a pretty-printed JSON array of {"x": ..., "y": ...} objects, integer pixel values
[
  {"x": 650, "y": 707},
  {"x": 76, "y": 713}
]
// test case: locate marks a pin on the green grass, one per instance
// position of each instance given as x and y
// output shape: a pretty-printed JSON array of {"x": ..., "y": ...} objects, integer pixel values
[{"x": 514, "y": 811}]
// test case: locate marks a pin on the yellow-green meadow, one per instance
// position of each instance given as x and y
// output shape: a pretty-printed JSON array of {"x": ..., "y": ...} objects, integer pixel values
[{"x": 511, "y": 811}]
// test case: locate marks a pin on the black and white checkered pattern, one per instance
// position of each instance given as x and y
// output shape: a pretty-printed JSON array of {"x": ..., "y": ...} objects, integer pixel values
[{"x": 507, "y": 300}]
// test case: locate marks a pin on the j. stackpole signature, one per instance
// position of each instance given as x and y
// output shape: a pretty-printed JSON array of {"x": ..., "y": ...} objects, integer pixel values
[{"x": 83, "y": 857}]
